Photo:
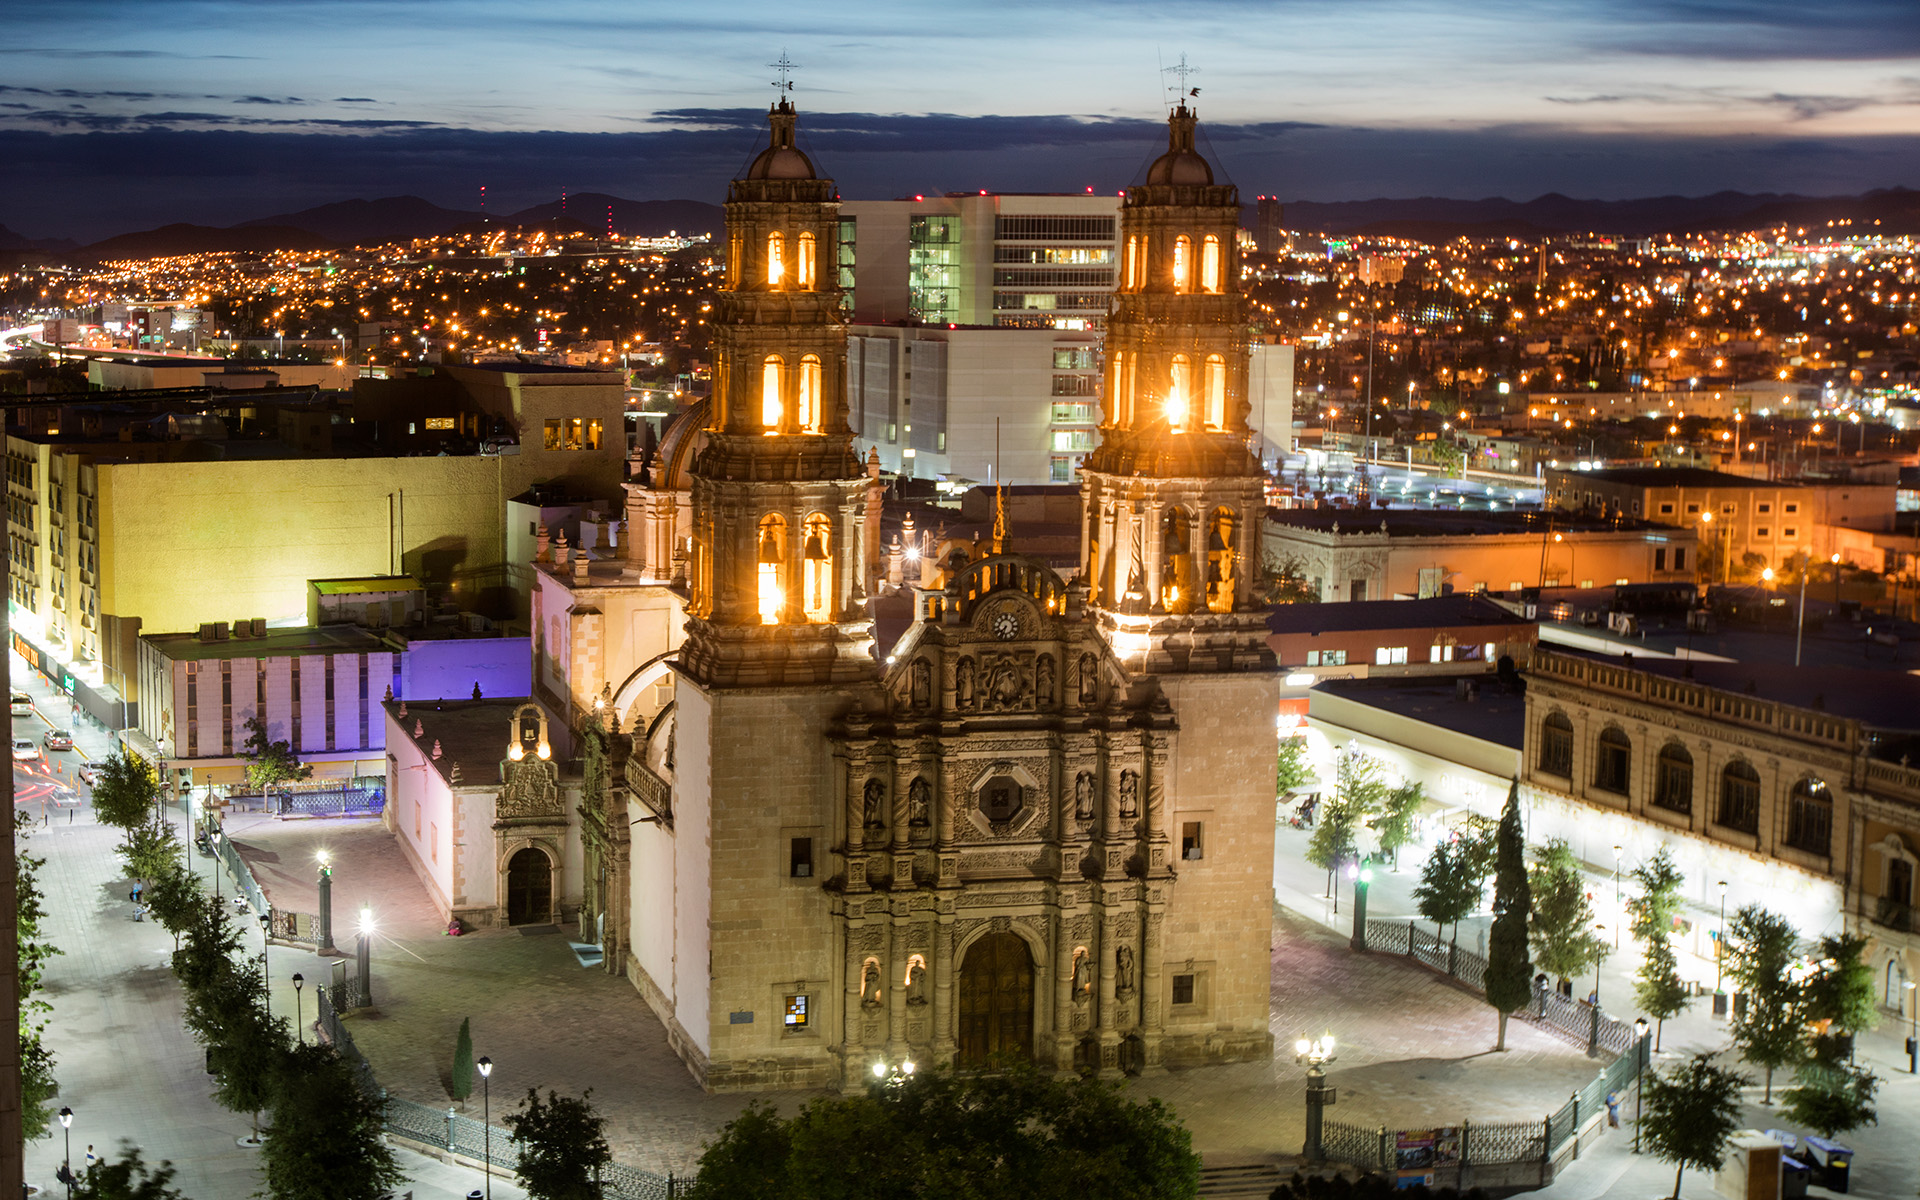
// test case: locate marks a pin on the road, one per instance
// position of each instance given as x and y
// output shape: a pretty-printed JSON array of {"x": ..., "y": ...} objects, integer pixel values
[{"x": 1403, "y": 487}]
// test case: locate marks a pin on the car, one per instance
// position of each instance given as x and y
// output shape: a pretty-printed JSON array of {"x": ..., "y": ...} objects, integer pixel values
[
  {"x": 65, "y": 797},
  {"x": 88, "y": 772},
  {"x": 57, "y": 739},
  {"x": 21, "y": 705},
  {"x": 24, "y": 750}
]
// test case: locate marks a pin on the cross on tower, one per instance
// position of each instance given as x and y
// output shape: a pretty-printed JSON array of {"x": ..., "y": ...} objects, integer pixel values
[
  {"x": 1183, "y": 71},
  {"x": 786, "y": 67}
]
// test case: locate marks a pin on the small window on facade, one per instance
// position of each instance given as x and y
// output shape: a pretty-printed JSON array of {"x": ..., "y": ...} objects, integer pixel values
[
  {"x": 1191, "y": 847},
  {"x": 1679, "y": 558},
  {"x": 800, "y": 858},
  {"x": 1791, "y": 508},
  {"x": 1000, "y": 800},
  {"x": 796, "y": 1015},
  {"x": 1659, "y": 558},
  {"x": 1762, "y": 531},
  {"x": 1766, "y": 508},
  {"x": 1692, "y": 509},
  {"x": 1789, "y": 532},
  {"x": 1666, "y": 510},
  {"x": 1183, "y": 989}
]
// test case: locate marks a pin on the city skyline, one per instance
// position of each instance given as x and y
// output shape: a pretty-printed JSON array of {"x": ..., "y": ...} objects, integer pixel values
[{"x": 215, "y": 116}]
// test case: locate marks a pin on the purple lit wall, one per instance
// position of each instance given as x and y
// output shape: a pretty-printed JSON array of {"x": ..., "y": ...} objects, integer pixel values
[{"x": 447, "y": 668}]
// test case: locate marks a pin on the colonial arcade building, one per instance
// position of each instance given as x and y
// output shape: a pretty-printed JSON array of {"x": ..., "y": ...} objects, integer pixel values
[{"x": 1032, "y": 818}]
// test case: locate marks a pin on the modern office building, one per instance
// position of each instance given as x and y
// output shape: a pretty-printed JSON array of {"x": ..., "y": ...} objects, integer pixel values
[{"x": 1268, "y": 236}]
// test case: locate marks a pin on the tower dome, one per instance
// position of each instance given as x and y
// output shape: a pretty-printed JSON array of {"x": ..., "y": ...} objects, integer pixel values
[
  {"x": 1181, "y": 164},
  {"x": 782, "y": 159}
]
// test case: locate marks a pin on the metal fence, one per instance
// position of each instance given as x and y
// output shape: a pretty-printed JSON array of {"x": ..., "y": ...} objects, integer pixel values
[
  {"x": 330, "y": 802},
  {"x": 1462, "y": 1145},
  {"x": 240, "y": 874},
  {"x": 445, "y": 1129},
  {"x": 289, "y": 926}
]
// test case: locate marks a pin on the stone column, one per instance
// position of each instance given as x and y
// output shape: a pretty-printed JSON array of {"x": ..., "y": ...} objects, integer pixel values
[
  {"x": 943, "y": 968},
  {"x": 1152, "y": 1027},
  {"x": 1109, "y": 1035},
  {"x": 948, "y": 799},
  {"x": 896, "y": 968},
  {"x": 857, "y": 771},
  {"x": 1063, "y": 1034},
  {"x": 853, "y": 1054},
  {"x": 902, "y": 773},
  {"x": 1156, "y": 803}
]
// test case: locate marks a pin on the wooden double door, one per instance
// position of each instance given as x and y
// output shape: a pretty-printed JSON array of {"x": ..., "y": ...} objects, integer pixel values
[{"x": 996, "y": 1001}]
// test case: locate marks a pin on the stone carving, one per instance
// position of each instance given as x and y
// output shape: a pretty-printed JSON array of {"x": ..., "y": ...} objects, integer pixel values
[
  {"x": 873, "y": 801},
  {"x": 921, "y": 693},
  {"x": 1083, "y": 796},
  {"x": 919, "y": 801},
  {"x": 916, "y": 980},
  {"x": 1089, "y": 680},
  {"x": 1044, "y": 681},
  {"x": 1081, "y": 928},
  {"x": 1006, "y": 682},
  {"x": 533, "y": 789},
  {"x": 1129, "y": 795},
  {"x": 963, "y": 683},
  {"x": 870, "y": 984},
  {"x": 1002, "y": 924},
  {"x": 1123, "y": 971},
  {"x": 1084, "y": 978}
]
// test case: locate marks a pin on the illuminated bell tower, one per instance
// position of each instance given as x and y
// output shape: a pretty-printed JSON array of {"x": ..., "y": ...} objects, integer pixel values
[
  {"x": 774, "y": 593},
  {"x": 1173, "y": 499}
]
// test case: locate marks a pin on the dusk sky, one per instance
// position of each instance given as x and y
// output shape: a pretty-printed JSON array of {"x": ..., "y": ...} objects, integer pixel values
[{"x": 128, "y": 115}]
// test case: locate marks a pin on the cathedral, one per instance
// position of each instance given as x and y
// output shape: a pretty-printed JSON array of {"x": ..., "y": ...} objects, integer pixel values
[{"x": 1033, "y": 822}]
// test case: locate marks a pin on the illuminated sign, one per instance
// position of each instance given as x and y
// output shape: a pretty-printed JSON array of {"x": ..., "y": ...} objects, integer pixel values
[{"x": 440, "y": 422}]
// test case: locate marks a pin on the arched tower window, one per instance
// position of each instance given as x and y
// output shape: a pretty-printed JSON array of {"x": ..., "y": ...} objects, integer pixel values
[
  {"x": 1179, "y": 391},
  {"x": 806, "y": 263},
  {"x": 1220, "y": 578},
  {"x": 776, "y": 259},
  {"x": 1136, "y": 246},
  {"x": 809, "y": 407},
  {"x": 1176, "y": 553},
  {"x": 736, "y": 250},
  {"x": 773, "y": 567},
  {"x": 1210, "y": 264},
  {"x": 772, "y": 384},
  {"x": 816, "y": 565},
  {"x": 1183, "y": 263},
  {"x": 1216, "y": 392}
]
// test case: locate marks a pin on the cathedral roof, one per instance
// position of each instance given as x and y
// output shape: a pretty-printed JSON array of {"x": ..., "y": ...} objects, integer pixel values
[
  {"x": 1181, "y": 164},
  {"x": 685, "y": 434},
  {"x": 781, "y": 159}
]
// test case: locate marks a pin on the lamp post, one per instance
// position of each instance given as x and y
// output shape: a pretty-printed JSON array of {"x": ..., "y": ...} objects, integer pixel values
[
  {"x": 1835, "y": 560},
  {"x": 363, "y": 957},
  {"x": 1316, "y": 1053},
  {"x": 486, "y": 1120},
  {"x": 1639, "y": 1065},
  {"x": 1720, "y": 946},
  {"x": 66, "y": 1128},
  {"x": 892, "y": 1076},
  {"x": 1800, "y": 622},
  {"x": 1362, "y": 876},
  {"x": 1618, "y": 903},
  {"x": 299, "y": 1029},
  {"x": 266, "y": 973},
  {"x": 326, "y": 904},
  {"x": 214, "y": 840},
  {"x": 1913, "y": 1033}
]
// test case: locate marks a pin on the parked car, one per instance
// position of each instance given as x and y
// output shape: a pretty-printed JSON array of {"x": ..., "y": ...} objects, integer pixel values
[
  {"x": 57, "y": 739},
  {"x": 24, "y": 750},
  {"x": 21, "y": 705},
  {"x": 87, "y": 772},
  {"x": 65, "y": 797}
]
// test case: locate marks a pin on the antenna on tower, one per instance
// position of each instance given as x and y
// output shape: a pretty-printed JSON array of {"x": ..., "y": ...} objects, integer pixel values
[
  {"x": 786, "y": 67},
  {"x": 1181, "y": 69}
]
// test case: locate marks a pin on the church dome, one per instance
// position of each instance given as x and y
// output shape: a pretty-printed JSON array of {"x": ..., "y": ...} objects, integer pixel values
[
  {"x": 1181, "y": 164},
  {"x": 781, "y": 159}
]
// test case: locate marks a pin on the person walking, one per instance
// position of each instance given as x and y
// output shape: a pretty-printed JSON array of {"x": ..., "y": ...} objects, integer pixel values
[{"x": 1613, "y": 1110}]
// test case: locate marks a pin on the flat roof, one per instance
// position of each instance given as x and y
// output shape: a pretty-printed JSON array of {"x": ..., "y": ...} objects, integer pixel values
[
  {"x": 1354, "y": 615},
  {"x": 1423, "y": 522},
  {"x": 472, "y": 733},
  {"x": 1878, "y": 699},
  {"x": 366, "y": 583},
  {"x": 274, "y": 643},
  {"x": 1674, "y": 477},
  {"x": 1495, "y": 715}
]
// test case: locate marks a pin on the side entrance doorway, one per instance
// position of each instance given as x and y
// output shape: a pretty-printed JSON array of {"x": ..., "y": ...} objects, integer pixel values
[
  {"x": 529, "y": 888},
  {"x": 996, "y": 1000}
]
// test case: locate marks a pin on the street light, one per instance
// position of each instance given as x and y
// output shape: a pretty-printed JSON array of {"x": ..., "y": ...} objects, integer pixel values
[
  {"x": 1913, "y": 1033},
  {"x": 486, "y": 1120},
  {"x": 266, "y": 972},
  {"x": 893, "y": 1076},
  {"x": 299, "y": 1029},
  {"x": 363, "y": 956},
  {"x": 1720, "y": 946},
  {"x": 1617, "y": 901},
  {"x": 1639, "y": 1065},
  {"x": 1362, "y": 876},
  {"x": 214, "y": 838},
  {"x": 66, "y": 1127},
  {"x": 1316, "y": 1053}
]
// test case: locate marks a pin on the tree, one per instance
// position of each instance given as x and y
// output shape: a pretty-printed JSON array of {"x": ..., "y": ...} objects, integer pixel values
[
  {"x": 172, "y": 897},
  {"x": 269, "y": 762},
  {"x": 563, "y": 1146},
  {"x": 1689, "y": 1113},
  {"x": 1286, "y": 580},
  {"x": 124, "y": 790},
  {"x": 1658, "y": 988},
  {"x": 1654, "y": 909},
  {"x": 1836, "y": 1002},
  {"x": 1358, "y": 792},
  {"x": 1449, "y": 890},
  {"x": 1509, "y": 981},
  {"x": 1561, "y": 931},
  {"x": 1018, "y": 1136},
  {"x": 1840, "y": 990},
  {"x": 126, "y": 1178},
  {"x": 1394, "y": 827},
  {"x": 150, "y": 851},
  {"x": 326, "y": 1140},
  {"x": 37, "y": 1084},
  {"x": 1832, "y": 1099},
  {"x": 1293, "y": 770},
  {"x": 462, "y": 1081},
  {"x": 1760, "y": 947}
]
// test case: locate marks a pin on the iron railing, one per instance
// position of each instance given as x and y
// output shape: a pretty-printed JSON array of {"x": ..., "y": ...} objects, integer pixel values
[{"x": 331, "y": 802}]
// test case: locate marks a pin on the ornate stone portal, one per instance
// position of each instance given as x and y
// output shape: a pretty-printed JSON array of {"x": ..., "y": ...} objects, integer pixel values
[{"x": 529, "y": 824}]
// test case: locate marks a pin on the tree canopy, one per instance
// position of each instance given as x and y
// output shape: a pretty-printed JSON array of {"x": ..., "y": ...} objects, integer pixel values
[
  {"x": 124, "y": 790},
  {"x": 1658, "y": 903},
  {"x": 1394, "y": 826},
  {"x": 1509, "y": 981},
  {"x": 940, "y": 1136},
  {"x": 326, "y": 1140},
  {"x": 1689, "y": 1113},
  {"x": 1767, "y": 1028},
  {"x": 1449, "y": 888},
  {"x": 1561, "y": 932},
  {"x": 563, "y": 1146},
  {"x": 126, "y": 1178},
  {"x": 270, "y": 762}
]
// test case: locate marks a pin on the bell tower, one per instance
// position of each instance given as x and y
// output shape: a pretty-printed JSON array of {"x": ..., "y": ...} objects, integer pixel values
[
  {"x": 774, "y": 591},
  {"x": 1173, "y": 499}
]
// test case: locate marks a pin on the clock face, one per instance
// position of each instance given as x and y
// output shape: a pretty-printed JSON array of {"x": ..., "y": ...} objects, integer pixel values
[{"x": 1006, "y": 626}]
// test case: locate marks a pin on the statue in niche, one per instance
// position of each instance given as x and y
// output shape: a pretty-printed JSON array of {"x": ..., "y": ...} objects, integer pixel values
[
  {"x": 1089, "y": 680},
  {"x": 919, "y": 800},
  {"x": 872, "y": 802},
  {"x": 1123, "y": 971},
  {"x": 1006, "y": 685},
  {"x": 1083, "y": 974},
  {"x": 921, "y": 693},
  {"x": 963, "y": 683},
  {"x": 1043, "y": 681},
  {"x": 916, "y": 980},
  {"x": 1083, "y": 796},
  {"x": 1129, "y": 795},
  {"x": 870, "y": 984}
]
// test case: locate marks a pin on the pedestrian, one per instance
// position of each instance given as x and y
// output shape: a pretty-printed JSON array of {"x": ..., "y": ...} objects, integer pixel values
[
  {"x": 1540, "y": 993},
  {"x": 92, "y": 1158},
  {"x": 1613, "y": 1110}
]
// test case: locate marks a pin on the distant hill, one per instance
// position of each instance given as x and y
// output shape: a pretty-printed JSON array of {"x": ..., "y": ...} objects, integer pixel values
[
  {"x": 372, "y": 222},
  {"x": 1431, "y": 218},
  {"x": 631, "y": 218},
  {"x": 11, "y": 241},
  {"x": 171, "y": 240}
]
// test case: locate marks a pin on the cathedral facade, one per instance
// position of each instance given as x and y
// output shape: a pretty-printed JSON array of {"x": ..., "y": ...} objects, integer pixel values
[{"x": 1037, "y": 825}]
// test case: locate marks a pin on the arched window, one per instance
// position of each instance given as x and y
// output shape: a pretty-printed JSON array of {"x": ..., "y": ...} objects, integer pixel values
[
  {"x": 806, "y": 263},
  {"x": 1136, "y": 246},
  {"x": 1556, "y": 745},
  {"x": 1740, "y": 797},
  {"x": 1673, "y": 778},
  {"x": 772, "y": 386},
  {"x": 1613, "y": 761},
  {"x": 1176, "y": 556},
  {"x": 1182, "y": 263},
  {"x": 773, "y": 567},
  {"x": 1210, "y": 264},
  {"x": 1220, "y": 564},
  {"x": 1216, "y": 392},
  {"x": 776, "y": 260},
  {"x": 1179, "y": 391},
  {"x": 1116, "y": 400},
  {"x": 816, "y": 563},
  {"x": 1810, "y": 817},
  {"x": 736, "y": 251},
  {"x": 809, "y": 400},
  {"x": 1128, "y": 388}
]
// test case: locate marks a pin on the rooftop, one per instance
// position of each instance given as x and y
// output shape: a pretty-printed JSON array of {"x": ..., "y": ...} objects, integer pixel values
[
  {"x": 1422, "y": 522},
  {"x": 274, "y": 643},
  {"x": 1494, "y": 715},
  {"x": 471, "y": 733},
  {"x": 1879, "y": 699},
  {"x": 1656, "y": 477},
  {"x": 1437, "y": 612}
]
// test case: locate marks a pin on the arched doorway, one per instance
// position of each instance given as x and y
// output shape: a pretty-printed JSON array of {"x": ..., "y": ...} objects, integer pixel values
[
  {"x": 996, "y": 1000},
  {"x": 529, "y": 887}
]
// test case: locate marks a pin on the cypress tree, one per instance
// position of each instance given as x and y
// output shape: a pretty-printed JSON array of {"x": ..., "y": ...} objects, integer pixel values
[
  {"x": 462, "y": 1082},
  {"x": 1509, "y": 973}
]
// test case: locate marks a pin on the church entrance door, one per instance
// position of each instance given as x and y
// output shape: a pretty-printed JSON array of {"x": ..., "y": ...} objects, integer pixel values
[
  {"x": 996, "y": 1000},
  {"x": 529, "y": 888}
]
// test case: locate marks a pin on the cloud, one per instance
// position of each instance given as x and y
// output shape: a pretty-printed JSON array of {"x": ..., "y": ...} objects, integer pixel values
[{"x": 66, "y": 52}]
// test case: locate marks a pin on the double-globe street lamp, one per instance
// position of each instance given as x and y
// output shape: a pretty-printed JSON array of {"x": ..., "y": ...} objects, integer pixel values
[
  {"x": 1316, "y": 1053},
  {"x": 486, "y": 1120},
  {"x": 66, "y": 1126},
  {"x": 299, "y": 1018}
]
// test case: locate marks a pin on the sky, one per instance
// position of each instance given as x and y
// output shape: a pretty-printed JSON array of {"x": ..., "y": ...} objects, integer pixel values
[{"x": 127, "y": 115}]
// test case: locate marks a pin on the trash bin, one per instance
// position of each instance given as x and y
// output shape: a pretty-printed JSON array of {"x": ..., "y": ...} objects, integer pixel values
[
  {"x": 1833, "y": 1162},
  {"x": 1719, "y": 1004},
  {"x": 1786, "y": 1139},
  {"x": 1794, "y": 1177}
]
